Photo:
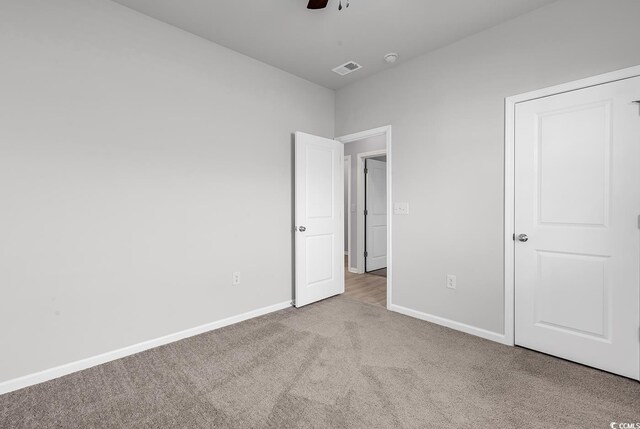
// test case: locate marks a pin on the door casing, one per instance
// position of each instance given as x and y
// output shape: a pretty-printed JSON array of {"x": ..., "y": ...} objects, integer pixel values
[
  {"x": 509, "y": 180},
  {"x": 347, "y": 215}
]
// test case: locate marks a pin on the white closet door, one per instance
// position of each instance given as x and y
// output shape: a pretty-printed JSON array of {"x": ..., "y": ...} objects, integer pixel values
[{"x": 577, "y": 250}]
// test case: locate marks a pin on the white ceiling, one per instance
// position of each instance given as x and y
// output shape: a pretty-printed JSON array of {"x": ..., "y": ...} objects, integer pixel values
[{"x": 309, "y": 43}]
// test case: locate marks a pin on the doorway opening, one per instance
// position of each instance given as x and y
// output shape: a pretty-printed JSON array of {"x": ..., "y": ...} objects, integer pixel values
[{"x": 367, "y": 216}]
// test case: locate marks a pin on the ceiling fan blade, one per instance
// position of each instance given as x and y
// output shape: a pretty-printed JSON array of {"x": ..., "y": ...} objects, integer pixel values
[{"x": 317, "y": 4}]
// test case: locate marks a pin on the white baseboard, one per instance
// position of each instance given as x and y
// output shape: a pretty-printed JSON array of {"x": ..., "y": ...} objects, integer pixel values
[
  {"x": 59, "y": 371},
  {"x": 353, "y": 270},
  {"x": 478, "y": 332}
]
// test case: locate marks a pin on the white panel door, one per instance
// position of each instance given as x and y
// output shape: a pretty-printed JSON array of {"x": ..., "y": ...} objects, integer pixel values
[
  {"x": 319, "y": 236},
  {"x": 577, "y": 165},
  {"x": 376, "y": 215}
]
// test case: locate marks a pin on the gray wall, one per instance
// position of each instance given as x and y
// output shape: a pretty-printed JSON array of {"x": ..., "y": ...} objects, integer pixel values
[
  {"x": 139, "y": 167},
  {"x": 353, "y": 149},
  {"x": 447, "y": 111}
]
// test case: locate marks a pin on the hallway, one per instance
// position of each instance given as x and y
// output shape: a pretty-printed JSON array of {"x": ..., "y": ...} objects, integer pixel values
[{"x": 368, "y": 287}]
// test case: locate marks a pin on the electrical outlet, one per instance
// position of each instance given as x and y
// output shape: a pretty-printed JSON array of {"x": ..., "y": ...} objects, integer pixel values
[
  {"x": 451, "y": 281},
  {"x": 236, "y": 278}
]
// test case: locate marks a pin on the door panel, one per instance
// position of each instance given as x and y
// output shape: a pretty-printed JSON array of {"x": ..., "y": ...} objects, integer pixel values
[
  {"x": 319, "y": 182},
  {"x": 582, "y": 197},
  {"x": 319, "y": 235},
  {"x": 577, "y": 164},
  {"x": 376, "y": 219},
  {"x": 562, "y": 276}
]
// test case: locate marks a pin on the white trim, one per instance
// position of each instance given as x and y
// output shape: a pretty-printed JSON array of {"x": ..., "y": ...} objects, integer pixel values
[
  {"x": 59, "y": 371},
  {"x": 366, "y": 134},
  {"x": 347, "y": 158},
  {"x": 578, "y": 84},
  {"x": 353, "y": 270},
  {"x": 386, "y": 131},
  {"x": 360, "y": 233},
  {"x": 509, "y": 178},
  {"x": 509, "y": 223},
  {"x": 468, "y": 329}
]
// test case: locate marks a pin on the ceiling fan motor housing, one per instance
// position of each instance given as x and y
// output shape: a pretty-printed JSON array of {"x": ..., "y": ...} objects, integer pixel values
[{"x": 317, "y": 4}]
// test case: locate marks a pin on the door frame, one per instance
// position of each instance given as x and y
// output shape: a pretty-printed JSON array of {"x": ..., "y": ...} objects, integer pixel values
[
  {"x": 509, "y": 178},
  {"x": 348, "y": 178},
  {"x": 386, "y": 131},
  {"x": 361, "y": 234}
]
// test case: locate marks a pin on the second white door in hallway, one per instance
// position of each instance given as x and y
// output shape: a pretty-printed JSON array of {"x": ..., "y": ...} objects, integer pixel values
[{"x": 376, "y": 215}]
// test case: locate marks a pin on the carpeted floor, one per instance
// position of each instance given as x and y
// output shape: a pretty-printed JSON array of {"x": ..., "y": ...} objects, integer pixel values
[{"x": 338, "y": 363}]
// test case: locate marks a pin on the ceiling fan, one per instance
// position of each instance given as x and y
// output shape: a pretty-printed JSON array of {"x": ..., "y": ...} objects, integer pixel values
[{"x": 321, "y": 4}]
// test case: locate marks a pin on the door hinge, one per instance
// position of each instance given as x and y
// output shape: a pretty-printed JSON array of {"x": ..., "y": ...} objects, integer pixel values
[
  {"x": 366, "y": 212},
  {"x": 366, "y": 170},
  {"x": 366, "y": 254}
]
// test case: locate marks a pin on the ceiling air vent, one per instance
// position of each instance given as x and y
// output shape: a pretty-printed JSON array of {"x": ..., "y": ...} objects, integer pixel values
[{"x": 347, "y": 68}]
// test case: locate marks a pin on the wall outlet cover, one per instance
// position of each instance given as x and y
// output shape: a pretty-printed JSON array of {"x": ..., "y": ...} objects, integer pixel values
[
  {"x": 451, "y": 281},
  {"x": 236, "y": 278}
]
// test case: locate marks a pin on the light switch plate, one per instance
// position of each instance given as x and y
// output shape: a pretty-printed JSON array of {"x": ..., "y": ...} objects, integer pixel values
[{"x": 401, "y": 209}]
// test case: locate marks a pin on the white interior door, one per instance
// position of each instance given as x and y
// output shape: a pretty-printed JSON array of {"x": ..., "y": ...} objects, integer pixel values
[
  {"x": 376, "y": 215},
  {"x": 577, "y": 166},
  {"x": 319, "y": 236}
]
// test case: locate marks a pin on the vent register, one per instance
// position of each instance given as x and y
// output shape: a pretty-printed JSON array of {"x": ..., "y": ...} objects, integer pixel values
[{"x": 346, "y": 68}]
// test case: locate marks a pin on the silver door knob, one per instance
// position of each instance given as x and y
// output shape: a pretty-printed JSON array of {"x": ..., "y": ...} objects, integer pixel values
[
  {"x": 302, "y": 229},
  {"x": 523, "y": 237}
]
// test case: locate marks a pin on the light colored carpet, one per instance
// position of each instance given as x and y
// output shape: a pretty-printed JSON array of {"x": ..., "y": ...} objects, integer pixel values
[{"x": 338, "y": 363}]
